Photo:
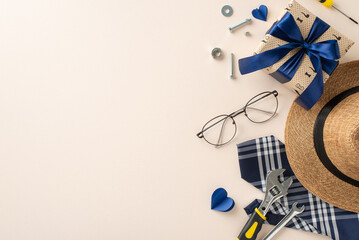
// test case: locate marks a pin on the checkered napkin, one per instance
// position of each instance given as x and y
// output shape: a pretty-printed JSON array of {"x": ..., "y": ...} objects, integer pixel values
[{"x": 259, "y": 156}]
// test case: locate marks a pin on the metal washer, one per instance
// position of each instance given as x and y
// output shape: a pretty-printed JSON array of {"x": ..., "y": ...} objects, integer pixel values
[{"x": 227, "y": 11}]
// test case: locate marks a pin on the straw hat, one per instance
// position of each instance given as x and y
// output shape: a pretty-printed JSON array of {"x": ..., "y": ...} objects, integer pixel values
[{"x": 322, "y": 144}]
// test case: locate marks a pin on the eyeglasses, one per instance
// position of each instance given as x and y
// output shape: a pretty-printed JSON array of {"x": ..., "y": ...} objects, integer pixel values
[{"x": 222, "y": 129}]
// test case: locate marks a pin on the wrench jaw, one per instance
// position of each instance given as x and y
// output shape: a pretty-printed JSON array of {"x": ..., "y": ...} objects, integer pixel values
[
  {"x": 296, "y": 209},
  {"x": 286, "y": 184},
  {"x": 272, "y": 178},
  {"x": 274, "y": 189}
]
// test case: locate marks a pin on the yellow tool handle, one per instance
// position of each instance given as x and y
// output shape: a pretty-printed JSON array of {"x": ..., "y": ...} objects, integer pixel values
[
  {"x": 327, "y": 3},
  {"x": 252, "y": 227}
]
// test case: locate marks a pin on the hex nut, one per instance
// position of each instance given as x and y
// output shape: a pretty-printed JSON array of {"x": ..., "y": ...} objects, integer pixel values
[{"x": 216, "y": 53}]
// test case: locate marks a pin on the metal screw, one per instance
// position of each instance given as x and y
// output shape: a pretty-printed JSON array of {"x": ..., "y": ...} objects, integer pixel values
[
  {"x": 231, "y": 29},
  {"x": 247, "y": 34},
  {"x": 232, "y": 68}
]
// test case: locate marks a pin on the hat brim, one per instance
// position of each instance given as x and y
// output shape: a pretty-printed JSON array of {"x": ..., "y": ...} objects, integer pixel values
[{"x": 300, "y": 149}]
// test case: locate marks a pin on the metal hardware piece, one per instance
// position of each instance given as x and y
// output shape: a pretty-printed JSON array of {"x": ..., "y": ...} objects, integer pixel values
[
  {"x": 232, "y": 67},
  {"x": 227, "y": 11},
  {"x": 247, "y": 34},
  {"x": 292, "y": 213},
  {"x": 216, "y": 53},
  {"x": 274, "y": 189},
  {"x": 231, "y": 29}
]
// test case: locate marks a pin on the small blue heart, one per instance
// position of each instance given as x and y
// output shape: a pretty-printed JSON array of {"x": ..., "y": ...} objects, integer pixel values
[
  {"x": 260, "y": 13},
  {"x": 220, "y": 201}
]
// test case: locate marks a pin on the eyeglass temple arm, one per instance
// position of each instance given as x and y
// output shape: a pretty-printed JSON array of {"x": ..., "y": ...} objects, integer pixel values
[
  {"x": 221, "y": 133},
  {"x": 264, "y": 111}
]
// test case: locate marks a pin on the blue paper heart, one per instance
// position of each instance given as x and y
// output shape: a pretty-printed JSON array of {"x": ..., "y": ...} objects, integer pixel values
[
  {"x": 260, "y": 13},
  {"x": 220, "y": 201}
]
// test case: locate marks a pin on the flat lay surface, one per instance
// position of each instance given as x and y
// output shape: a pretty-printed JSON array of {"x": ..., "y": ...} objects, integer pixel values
[{"x": 101, "y": 102}]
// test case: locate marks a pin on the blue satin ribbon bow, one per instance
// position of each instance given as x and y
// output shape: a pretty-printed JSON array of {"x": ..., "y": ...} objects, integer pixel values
[{"x": 323, "y": 56}]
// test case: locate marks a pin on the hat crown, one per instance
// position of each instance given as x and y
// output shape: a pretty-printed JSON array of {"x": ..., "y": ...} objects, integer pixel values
[
  {"x": 341, "y": 136},
  {"x": 355, "y": 140}
]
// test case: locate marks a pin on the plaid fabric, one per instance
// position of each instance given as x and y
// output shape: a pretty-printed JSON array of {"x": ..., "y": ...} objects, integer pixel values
[{"x": 259, "y": 156}]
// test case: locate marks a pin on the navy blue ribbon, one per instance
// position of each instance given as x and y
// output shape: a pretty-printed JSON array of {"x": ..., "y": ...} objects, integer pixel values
[{"x": 323, "y": 56}]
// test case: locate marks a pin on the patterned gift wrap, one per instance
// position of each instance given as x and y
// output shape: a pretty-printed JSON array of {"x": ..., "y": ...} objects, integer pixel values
[{"x": 296, "y": 69}]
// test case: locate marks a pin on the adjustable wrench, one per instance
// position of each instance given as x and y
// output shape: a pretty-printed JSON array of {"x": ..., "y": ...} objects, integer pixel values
[
  {"x": 274, "y": 191},
  {"x": 292, "y": 213}
]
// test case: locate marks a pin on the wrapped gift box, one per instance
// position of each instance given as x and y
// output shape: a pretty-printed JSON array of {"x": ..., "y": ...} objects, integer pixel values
[{"x": 302, "y": 63}]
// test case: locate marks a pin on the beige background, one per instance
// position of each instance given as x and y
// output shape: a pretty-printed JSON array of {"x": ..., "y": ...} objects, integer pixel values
[{"x": 100, "y": 103}]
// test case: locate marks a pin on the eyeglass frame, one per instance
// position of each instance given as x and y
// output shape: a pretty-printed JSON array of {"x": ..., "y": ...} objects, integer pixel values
[{"x": 236, "y": 113}]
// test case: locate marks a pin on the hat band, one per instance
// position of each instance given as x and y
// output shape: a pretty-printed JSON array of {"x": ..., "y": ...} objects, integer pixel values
[{"x": 318, "y": 136}]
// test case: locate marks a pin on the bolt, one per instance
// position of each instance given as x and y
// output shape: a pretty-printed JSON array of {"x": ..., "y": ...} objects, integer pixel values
[
  {"x": 232, "y": 68},
  {"x": 231, "y": 29}
]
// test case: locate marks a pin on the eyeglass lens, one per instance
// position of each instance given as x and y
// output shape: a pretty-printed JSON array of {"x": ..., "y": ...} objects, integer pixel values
[
  {"x": 262, "y": 107},
  {"x": 223, "y": 130}
]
